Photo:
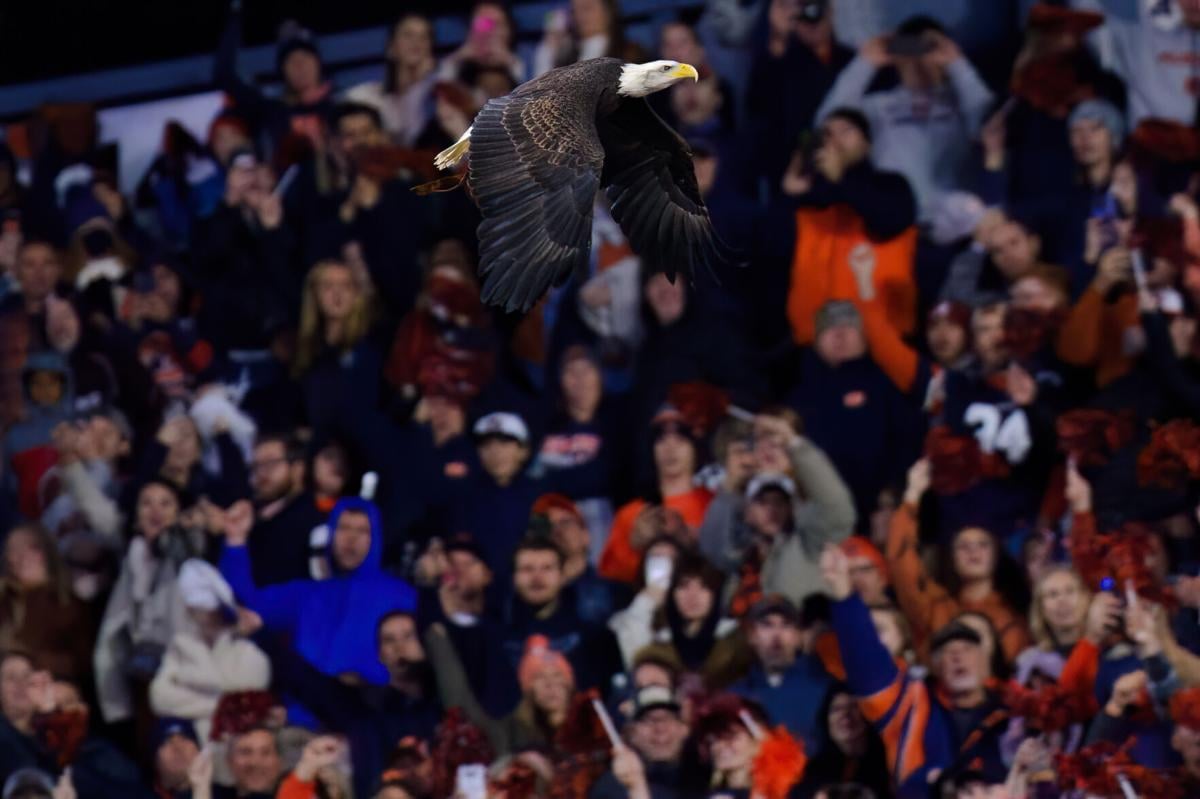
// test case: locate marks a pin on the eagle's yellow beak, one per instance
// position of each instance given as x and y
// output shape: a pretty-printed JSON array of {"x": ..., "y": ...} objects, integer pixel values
[{"x": 685, "y": 71}]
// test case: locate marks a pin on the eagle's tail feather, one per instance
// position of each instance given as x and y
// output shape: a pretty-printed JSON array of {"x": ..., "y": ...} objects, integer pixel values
[{"x": 454, "y": 153}]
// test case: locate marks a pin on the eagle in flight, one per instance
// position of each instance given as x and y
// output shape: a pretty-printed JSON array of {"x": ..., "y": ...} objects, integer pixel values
[{"x": 537, "y": 156}]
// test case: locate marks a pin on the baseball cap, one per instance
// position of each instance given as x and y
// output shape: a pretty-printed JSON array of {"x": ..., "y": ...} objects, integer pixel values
[
  {"x": 775, "y": 605},
  {"x": 654, "y": 697},
  {"x": 503, "y": 424},
  {"x": 465, "y": 542},
  {"x": 761, "y": 482},
  {"x": 954, "y": 631}
]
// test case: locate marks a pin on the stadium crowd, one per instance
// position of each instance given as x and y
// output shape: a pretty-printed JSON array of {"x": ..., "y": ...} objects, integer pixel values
[{"x": 903, "y": 505}]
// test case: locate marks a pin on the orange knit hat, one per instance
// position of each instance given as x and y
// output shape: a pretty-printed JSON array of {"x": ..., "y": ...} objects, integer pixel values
[{"x": 538, "y": 655}]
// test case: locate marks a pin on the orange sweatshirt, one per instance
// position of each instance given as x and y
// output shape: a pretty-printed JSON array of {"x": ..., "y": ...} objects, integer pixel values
[
  {"x": 619, "y": 560},
  {"x": 295, "y": 788},
  {"x": 1094, "y": 334},
  {"x": 927, "y": 603},
  {"x": 834, "y": 259}
]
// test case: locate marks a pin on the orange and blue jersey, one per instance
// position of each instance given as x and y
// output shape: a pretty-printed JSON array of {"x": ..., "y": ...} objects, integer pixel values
[{"x": 918, "y": 728}]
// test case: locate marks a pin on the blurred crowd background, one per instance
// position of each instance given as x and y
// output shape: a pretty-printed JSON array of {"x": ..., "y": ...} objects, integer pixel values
[{"x": 903, "y": 504}]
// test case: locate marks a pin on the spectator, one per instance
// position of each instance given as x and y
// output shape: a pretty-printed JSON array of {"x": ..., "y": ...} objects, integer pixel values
[
  {"x": 976, "y": 555},
  {"x": 38, "y": 614},
  {"x": 675, "y": 461},
  {"x": 373, "y": 718},
  {"x": 459, "y": 600},
  {"x": 953, "y": 714},
  {"x": 89, "y": 455},
  {"x": 595, "y": 598},
  {"x": 547, "y": 684},
  {"x": 686, "y": 616},
  {"x": 591, "y": 30},
  {"x": 282, "y": 541},
  {"x": 846, "y": 400},
  {"x": 538, "y": 608},
  {"x": 333, "y": 343},
  {"x": 306, "y": 100},
  {"x": 924, "y": 125},
  {"x": 657, "y": 738},
  {"x": 208, "y": 657},
  {"x": 403, "y": 96},
  {"x": 1134, "y": 40},
  {"x": 255, "y": 765},
  {"x": 145, "y": 609},
  {"x": 28, "y": 454},
  {"x": 333, "y": 621},
  {"x": 769, "y": 525},
  {"x": 849, "y": 213},
  {"x": 176, "y": 750},
  {"x": 790, "y": 685},
  {"x": 496, "y": 507},
  {"x": 783, "y": 110},
  {"x": 868, "y": 570},
  {"x": 581, "y": 455},
  {"x": 852, "y": 751},
  {"x": 489, "y": 44}
]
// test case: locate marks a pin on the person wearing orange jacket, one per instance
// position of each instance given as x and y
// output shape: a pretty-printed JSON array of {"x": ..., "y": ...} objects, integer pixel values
[
  {"x": 855, "y": 234},
  {"x": 682, "y": 503},
  {"x": 929, "y": 605}
]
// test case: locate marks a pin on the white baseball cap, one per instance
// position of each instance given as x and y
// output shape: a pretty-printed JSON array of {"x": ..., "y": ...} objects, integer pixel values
[
  {"x": 508, "y": 425},
  {"x": 761, "y": 482}
]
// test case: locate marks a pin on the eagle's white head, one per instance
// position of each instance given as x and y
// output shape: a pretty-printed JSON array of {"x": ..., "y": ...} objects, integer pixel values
[{"x": 639, "y": 80}]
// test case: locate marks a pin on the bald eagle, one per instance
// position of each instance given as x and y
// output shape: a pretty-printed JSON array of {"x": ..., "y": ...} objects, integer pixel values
[{"x": 536, "y": 157}]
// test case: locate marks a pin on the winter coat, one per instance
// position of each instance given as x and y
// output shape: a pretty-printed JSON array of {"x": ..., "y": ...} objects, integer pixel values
[
  {"x": 194, "y": 675},
  {"x": 790, "y": 567}
]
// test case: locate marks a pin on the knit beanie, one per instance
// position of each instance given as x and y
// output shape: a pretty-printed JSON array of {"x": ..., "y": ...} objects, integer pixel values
[
  {"x": 538, "y": 656},
  {"x": 1106, "y": 114}
]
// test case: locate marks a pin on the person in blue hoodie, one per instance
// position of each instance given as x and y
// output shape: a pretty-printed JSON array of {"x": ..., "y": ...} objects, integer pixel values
[{"x": 332, "y": 622}]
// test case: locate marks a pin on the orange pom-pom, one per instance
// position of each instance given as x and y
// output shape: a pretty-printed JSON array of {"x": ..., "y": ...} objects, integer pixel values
[{"x": 779, "y": 765}]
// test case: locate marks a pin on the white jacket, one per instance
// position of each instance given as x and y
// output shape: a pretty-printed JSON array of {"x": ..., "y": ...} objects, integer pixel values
[{"x": 192, "y": 677}]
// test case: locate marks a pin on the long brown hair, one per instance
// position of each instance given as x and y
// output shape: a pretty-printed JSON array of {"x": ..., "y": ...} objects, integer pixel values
[
  {"x": 310, "y": 340},
  {"x": 56, "y": 572}
]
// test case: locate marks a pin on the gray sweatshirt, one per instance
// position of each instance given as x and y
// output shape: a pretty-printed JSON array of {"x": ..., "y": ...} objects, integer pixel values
[
  {"x": 791, "y": 567},
  {"x": 1154, "y": 53},
  {"x": 925, "y": 136}
]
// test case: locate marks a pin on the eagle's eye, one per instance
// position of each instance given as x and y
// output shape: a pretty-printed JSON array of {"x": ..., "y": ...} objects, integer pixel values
[{"x": 666, "y": 68}]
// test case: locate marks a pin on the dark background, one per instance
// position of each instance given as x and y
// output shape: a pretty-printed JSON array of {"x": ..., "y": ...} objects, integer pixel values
[{"x": 42, "y": 39}]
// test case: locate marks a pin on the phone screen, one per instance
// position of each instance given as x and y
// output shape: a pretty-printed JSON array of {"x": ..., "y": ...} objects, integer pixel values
[{"x": 470, "y": 781}]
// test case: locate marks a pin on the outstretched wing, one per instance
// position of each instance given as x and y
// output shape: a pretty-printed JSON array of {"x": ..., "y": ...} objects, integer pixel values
[
  {"x": 534, "y": 167},
  {"x": 652, "y": 186}
]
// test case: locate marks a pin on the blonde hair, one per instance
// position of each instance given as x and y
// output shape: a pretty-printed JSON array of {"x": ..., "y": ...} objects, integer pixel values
[
  {"x": 310, "y": 339},
  {"x": 1043, "y": 637}
]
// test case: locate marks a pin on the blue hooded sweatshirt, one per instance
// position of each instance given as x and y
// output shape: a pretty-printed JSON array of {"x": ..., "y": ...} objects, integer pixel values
[{"x": 332, "y": 622}]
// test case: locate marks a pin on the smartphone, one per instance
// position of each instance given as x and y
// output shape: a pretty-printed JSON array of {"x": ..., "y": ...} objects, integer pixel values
[
  {"x": 658, "y": 571},
  {"x": 909, "y": 45},
  {"x": 1138, "y": 263},
  {"x": 470, "y": 781}
]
